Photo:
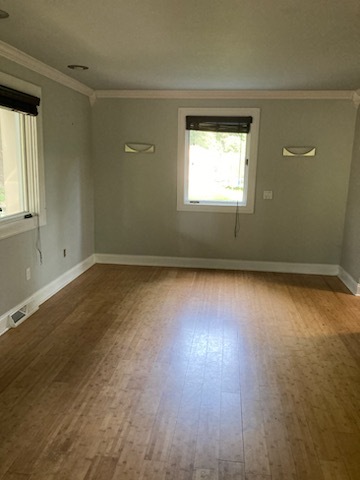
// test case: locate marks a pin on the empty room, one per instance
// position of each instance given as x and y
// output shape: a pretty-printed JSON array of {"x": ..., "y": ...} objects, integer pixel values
[{"x": 179, "y": 240}]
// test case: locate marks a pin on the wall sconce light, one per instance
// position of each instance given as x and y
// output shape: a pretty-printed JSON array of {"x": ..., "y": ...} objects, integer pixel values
[
  {"x": 299, "y": 151},
  {"x": 139, "y": 148}
]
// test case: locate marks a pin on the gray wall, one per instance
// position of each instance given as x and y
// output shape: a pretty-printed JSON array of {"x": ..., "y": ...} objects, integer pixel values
[
  {"x": 351, "y": 248},
  {"x": 69, "y": 194},
  {"x": 135, "y": 195}
]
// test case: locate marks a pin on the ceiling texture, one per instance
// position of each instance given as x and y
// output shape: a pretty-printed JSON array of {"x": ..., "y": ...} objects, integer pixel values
[{"x": 192, "y": 44}]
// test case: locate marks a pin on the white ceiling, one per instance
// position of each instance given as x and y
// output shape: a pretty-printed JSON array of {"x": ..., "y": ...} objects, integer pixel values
[{"x": 193, "y": 44}]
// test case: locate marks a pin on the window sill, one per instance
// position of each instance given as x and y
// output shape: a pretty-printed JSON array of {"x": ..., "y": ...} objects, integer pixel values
[
  {"x": 8, "y": 228},
  {"x": 195, "y": 207}
]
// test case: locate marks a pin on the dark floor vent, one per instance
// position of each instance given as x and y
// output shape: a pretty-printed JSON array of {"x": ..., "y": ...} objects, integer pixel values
[
  {"x": 22, "y": 312},
  {"x": 18, "y": 317}
]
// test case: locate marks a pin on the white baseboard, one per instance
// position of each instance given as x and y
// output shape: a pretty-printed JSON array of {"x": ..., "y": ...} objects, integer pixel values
[
  {"x": 348, "y": 280},
  {"x": 3, "y": 324},
  {"x": 49, "y": 290},
  {"x": 46, "y": 292},
  {"x": 218, "y": 263}
]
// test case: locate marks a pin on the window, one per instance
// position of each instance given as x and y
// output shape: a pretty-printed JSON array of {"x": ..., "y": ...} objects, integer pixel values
[
  {"x": 21, "y": 166},
  {"x": 217, "y": 159}
]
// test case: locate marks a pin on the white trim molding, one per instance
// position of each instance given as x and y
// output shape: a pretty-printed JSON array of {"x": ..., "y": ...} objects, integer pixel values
[
  {"x": 356, "y": 98},
  {"x": 53, "y": 287},
  {"x": 349, "y": 282},
  {"x": 46, "y": 292},
  {"x": 21, "y": 58},
  {"x": 230, "y": 94},
  {"x": 4, "y": 319},
  {"x": 249, "y": 178},
  {"x": 218, "y": 263},
  {"x": 56, "y": 285}
]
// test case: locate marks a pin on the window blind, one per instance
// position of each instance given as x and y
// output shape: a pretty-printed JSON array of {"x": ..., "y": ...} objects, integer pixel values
[
  {"x": 18, "y": 101},
  {"x": 219, "y": 124}
]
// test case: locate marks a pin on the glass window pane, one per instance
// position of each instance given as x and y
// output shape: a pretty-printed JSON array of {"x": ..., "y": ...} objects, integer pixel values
[
  {"x": 216, "y": 166},
  {"x": 12, "y": 172}
]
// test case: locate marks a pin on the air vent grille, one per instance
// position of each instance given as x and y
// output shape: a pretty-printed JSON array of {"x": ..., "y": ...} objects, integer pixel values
[{"x": 21, "y": 314}]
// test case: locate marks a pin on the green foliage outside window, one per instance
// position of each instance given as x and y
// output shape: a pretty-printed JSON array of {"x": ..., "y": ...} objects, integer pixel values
[{"x": 223, "y": 142}]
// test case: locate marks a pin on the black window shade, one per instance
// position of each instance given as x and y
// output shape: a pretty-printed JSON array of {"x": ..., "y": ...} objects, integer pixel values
[
  {"x": 219, "y": 124},
  {"x": 18, "y": 101}
]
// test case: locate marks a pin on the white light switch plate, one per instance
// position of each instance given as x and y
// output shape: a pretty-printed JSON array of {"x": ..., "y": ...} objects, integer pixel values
[{"x": 267, "y": 195}]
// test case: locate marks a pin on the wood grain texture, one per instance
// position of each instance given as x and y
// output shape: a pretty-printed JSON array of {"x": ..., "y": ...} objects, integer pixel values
[{"x": 173, "y": 374}]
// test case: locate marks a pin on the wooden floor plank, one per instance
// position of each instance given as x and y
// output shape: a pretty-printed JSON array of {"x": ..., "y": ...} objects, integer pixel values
[
  {"x": 334, "y": 471},
  {"x": 231, "y": 470},
  {"x": 182, "y": 374},
  {"x": 231, "y": 434},
  {"x": 205, "y": 474}
]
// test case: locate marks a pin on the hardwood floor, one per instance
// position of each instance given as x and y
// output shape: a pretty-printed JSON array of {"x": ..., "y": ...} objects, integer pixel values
[{"x": 170, "y": 374}]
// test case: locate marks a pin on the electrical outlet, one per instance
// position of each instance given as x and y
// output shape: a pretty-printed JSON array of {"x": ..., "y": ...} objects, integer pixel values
[
  {"x": 28, "y": 273},
  {"x": 267, "y": 195},
  {"x": 64, "y": 252}
]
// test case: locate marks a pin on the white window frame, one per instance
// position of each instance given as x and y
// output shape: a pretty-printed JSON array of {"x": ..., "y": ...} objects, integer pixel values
[
  {"x": 183, "y": 204},
  {"x": 35, "y": 182}
]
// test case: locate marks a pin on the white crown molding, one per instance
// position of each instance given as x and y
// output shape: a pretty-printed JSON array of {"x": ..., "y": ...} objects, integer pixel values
[
  {"x": 21, "y": 58},
  {"x": 356, "y": 98},
  {"x": 230, "y": 94},
  {"x": 92, "y": 98}
]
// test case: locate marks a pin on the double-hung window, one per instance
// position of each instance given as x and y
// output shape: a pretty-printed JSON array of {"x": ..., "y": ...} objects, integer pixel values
[
  {"x": 21, "y": 168},
  {"x": 217, "y": 153}
]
